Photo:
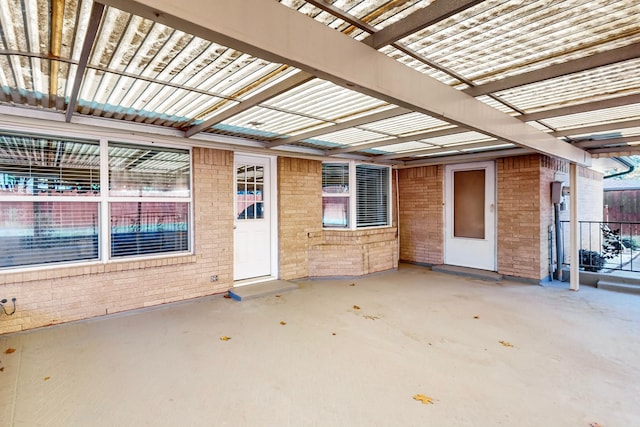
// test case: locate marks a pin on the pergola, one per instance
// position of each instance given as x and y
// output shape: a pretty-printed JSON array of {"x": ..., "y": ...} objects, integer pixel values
[{"x": 400, "y": 82}]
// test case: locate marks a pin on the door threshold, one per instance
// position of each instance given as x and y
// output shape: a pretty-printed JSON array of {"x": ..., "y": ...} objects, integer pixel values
[
  {"x": 252, "y": 280},
  {"x": 476, "y": 273}
]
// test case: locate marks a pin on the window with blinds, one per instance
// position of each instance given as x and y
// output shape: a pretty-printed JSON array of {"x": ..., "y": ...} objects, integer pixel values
[
  {"x": 335, "y": 195},
  {"x": 151, "y": 186},
  {"x": 372, "y": 196},
  {"x": 355, "y": 195},
  {"x": 51, "y": 200}
]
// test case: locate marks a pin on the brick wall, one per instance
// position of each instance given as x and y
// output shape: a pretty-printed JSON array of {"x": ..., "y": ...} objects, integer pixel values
[
  {"x": 354, "y": 252},
  {"x": 421, "y": 214},
  {"x": 299, "y": 213},
  {"x": 53, "y": 295},
  {"x": 519, "y": 229}
]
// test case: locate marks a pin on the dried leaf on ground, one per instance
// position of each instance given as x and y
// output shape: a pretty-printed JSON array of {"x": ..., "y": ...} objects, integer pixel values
[
  {"x": 283, "y": 322},
  {"x": 47, "y": 378},
  {"x": 424, "y": 399},
  {"x": 506, "y": 343},
  {"x": 370, "y": 317},
  {"x": 596, "y": 425},
  {"x": 2, "y": 369},
  {"x": 9, "y": 350},
  {"x": 476, "y": 317},
  {"x": 333, "y": 333},
  {"x": 278, "y": 296},
  {"x": 356, "y": 307},
  {"x": 225, "y": 338},
  {"x": 227, "y": 296},
  {"x": 353, "y": 284}
]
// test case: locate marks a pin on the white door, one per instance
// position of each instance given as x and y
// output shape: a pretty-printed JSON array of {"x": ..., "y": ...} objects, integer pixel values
[
  {"x": 470, "y": 215},
  {"x": 252, "y": 228}
]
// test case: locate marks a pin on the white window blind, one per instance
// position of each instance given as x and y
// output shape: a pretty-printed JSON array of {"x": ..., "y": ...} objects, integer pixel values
[
  {"x": 372, "y": 196},
  {"x": 151, "y": 214},
  {"x": 335, "y": 195},
  {"x": 355, "y": 194},
  {"x": 49, "y": 200}
]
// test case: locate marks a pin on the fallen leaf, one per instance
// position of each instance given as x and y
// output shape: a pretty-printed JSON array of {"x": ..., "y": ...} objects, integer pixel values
[
  {"x": 278, "y": 296},
  {"x": 227, "y": 296},
  {"x": 353, "y": 284},
  {"x": 424, "y": 399},
  {"x": 283, "y": 323},
  {"x": 356, "y": 307},
  {"x": 596, "y": 425},
  {"x": 368, "y": 316},
  {"x": 2, "y": 369},
  {"x": 333, "y": 333},
  {"x": 9, "y": 350},
  {"x": 225, "y": 338},
  {"x": 47, "y": 378},
  {"x": 476, "y": 317},
  {"x": 506, "y": 343}
]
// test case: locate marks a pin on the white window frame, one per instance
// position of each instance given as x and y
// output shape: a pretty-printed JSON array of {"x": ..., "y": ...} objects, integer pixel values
[
  {"x": 352, "y": 195},
  {"x": 104, "y": 201}
]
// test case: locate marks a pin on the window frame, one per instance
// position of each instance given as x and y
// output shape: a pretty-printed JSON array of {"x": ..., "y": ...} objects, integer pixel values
[
  {"x": 104, "y": 200},
  {"x": 352, "y": 196}
]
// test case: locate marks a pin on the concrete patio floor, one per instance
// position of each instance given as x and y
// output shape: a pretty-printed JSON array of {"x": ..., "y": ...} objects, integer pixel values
[{"x": 573, "y": 360}]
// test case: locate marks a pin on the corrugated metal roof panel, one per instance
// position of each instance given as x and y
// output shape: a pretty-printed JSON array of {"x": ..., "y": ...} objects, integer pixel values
[
  {"x": 403, "y": 147},
  {"x": 272, "y": 121},
  {"x": 496, "y": 39},
  {"x": 350, "y": 136},
  {"x": 406, "y": 124},
  {"x": 600, "y": 83},
  {"x": 609, "y": 115}
]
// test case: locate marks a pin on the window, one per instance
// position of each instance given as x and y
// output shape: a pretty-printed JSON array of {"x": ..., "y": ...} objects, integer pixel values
[
  {"x": 49, "y": 200},
  {"x": 53, "y": 209},
  {"x": 355, "y": 194},
  {"x": 151, "y": 186}
]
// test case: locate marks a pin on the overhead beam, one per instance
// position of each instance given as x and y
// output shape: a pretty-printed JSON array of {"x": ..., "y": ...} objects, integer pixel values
[
  {"x": 581, "y": 108},
  {"x": 594, "y": 61},
  {"x": 583, "y": 130},
  {"x": 624, "y": 150},
  {"x": 393, "y": 141},
  {"x": 272, "y": 31},
  {"x": 275, "y": 90},
  {"x": 605, "y": 143},
  {"x": 418, "y": 20},
  {"x": 97, "y": 10},
  {"x": 441, "y": 149},
  {"x": 383, "y": 115},
  {"x": 470, "y": 157}
]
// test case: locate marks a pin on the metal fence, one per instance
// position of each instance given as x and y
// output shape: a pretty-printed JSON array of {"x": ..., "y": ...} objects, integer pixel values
[{"x": 605, "y": 246}]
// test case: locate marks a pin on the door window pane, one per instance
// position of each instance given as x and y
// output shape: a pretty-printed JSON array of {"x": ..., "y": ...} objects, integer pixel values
[
  {"x": 250, "y": 192},
  {"x": 468, "y": 204}
]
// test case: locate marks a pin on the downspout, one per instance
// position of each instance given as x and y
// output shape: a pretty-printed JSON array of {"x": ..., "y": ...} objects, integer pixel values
[{"x": 631, "y": 167}]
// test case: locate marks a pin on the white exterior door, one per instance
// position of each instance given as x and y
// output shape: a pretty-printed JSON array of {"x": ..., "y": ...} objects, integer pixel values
[
  {"x": 252, "y": 239},
  {"x": 470, "y": 215}
]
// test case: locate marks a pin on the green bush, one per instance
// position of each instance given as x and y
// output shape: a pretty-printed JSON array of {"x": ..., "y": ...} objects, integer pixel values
[
  {"x": 628, "y": 242},
  {"x": 591, "y": 260}
]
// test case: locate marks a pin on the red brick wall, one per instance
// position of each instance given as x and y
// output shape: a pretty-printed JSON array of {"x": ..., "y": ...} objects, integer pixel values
[
  {"x": 65, "y": 293},
  {"x": 422, "y": 214}
]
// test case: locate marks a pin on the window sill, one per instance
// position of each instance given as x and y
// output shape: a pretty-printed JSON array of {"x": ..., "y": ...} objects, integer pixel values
[{"x": 84, "y": 269}]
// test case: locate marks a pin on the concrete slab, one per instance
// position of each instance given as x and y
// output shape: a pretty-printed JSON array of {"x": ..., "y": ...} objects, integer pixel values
[
  {"x": 340, "y": 353},
  {"x": 468, "y": 272},
  {"x": 619, "y": 286},
  {"x": 262, "y": 289}
]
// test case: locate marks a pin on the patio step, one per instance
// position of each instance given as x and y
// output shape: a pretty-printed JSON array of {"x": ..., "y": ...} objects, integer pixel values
[
  {"x": 468, "y": 272},
  {"x": 262, "y": 289},
  {"x": 613, "y": 284}
]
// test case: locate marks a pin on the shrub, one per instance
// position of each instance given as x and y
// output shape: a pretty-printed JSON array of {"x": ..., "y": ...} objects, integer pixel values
[
  {"x": 628, "y": 242},
  {"x": 591, "y": 260}
]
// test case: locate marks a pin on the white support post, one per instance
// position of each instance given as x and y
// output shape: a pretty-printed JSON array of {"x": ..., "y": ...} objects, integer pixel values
[{"x": 574, "y": 283}]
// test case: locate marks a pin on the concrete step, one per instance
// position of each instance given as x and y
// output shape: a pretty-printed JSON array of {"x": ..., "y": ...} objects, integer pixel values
[
  {"x": 612, "y": 284},
  {"x": 262, "y": 289},
  {"x": 468, "y": 272}
]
